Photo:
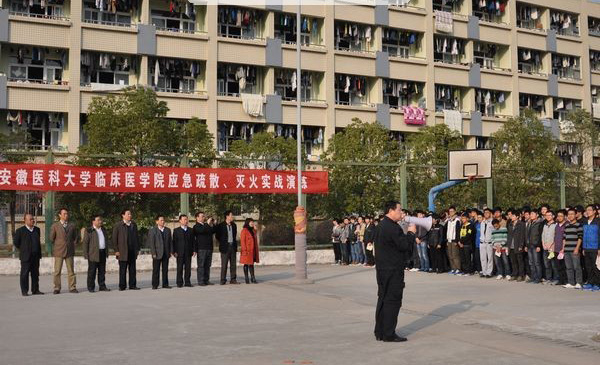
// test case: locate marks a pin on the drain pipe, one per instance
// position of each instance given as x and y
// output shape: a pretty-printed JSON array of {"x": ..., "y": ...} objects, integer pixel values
[{"x": 439, "y": 188}]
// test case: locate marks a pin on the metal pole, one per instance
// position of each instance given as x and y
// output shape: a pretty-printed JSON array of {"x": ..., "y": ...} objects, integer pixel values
[
  {"x": 403, "y": 184},
  {"x": 563, "y": 193},
  {"x": 489, "y": 184},
  {"x": 184, "y": 198},
  {"x": 300, "y": 213}
]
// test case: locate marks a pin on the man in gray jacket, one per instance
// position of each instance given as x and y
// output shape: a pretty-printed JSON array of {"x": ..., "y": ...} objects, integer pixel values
[
  {"x": 95, "y": 250},
  {"x": 161, "y": 245},
  {"x": 486, "y": 251}
]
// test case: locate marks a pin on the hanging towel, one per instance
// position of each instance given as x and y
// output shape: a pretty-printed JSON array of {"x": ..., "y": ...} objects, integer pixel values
[
  {"x": 156, "y": 72},
  {"x": 294, "y": 81},
  {"x": 453, "y": 119},
  {"x": 252, "y": 104},
  {"x": 413, "y": 115},
  {"x": 596, "y": 110},
  {"x": 443, "y": 21}
]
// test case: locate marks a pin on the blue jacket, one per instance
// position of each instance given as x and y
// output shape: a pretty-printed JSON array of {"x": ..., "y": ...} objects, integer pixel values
[
  {"x": 478, "y": 234},
  {"x": 591, "y": 234}
]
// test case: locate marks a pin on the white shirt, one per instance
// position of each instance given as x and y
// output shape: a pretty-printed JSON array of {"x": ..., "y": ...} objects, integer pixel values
[
  {"x": 184, "y": 228},
  {"x": 29, "y": 228},
  {"x": 161, "y": 229},
  {"x": 101, "y": 241},
  {"x": 451, "y": 232},
  {"x": 127, "y": 223}
]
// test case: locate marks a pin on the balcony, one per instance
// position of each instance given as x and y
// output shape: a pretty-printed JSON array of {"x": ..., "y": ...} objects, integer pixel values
[
  {"x": 46, "y": 129},
  {"x": 189, "y": 19},
  {"x": 489, "y": 13},
  {"x": 491, "y": 56},
  {"x": 52, "y": 9},
  {"x": 179, "y": 76},
  {"x": 108, "y": 71},
  {"x": 310, "y": 30},
  {"x": 354, "y": 37},
  {"x": 351, "y": 90},
  {"x": 566, "y": 67},
  {"x": 240, "y": 23},
  {"x": 449, "y": 50},
  {"x": 564, "y": 23},
  {"x": 123, "y": 15},
  {"x": 402, "y": 43},
  {"x": 530, "y": 17},
  {"x": 28, "y": 65}
]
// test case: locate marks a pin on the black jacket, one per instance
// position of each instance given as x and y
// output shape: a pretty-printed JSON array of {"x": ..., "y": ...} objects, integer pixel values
[
  {"x": 221, "y": 234},
  {"x": 515, "y": 238},
  {"x": 369, "y": 233},
  {"x": 183, "y": 242},
  {"x": 203, "y": 234},
  {"x": 467, "y": 234},
  {"x": 436, "y": 236},
  {"x": 28, "y": 243},
  {"x": 535, "y": 233},
  {"x": 392, "y": 246}
]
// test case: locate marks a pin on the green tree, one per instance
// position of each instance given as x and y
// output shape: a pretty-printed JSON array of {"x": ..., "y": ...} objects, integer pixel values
[
  {"x": 363, "y": 188},
  {"x": 427, "y": 159},
  {"x": 131, "y": 129},
  {"x": 526, "y": 167}
]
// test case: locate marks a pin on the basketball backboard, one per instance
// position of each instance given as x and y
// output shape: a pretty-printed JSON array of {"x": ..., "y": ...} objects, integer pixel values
[{"x": 465, "y": 164}]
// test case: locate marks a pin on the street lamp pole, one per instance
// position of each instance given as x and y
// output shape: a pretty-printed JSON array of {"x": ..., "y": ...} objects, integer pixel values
[{"x": 300, "y": 222}]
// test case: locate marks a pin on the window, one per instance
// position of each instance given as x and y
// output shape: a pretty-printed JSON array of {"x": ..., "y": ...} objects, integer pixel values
[
  {"x": 452, "y": 6},
  {"x": 564, "y": 23},
  {"x": 533, "y": 102},
  {"x": 595, "y": 60},
  {"x": 311, "y": 136},
  {"x": 398, "y": 93},
  {"x": 285, "y": 84},
  {"x": 353, "y": 37},
  {"x": 104, "y": 16},
  {"x": 529, "y": 17},
  {"x": 239, "y": 22},
  {"x": 489, "y": 11},
  {"x": 351, "y": 90},
  {"x": 448, "y": 49},
  {"x": 45, "y": 129},
  {"x": 566, "y": 67},
  {"x": 447, "y": 97},
  {"x": 174, "y": 22},
  {"x": 530, "y": 61},
  {"x": 594, "y": 26},
  {"x": 233, "y": 79},
  {"x": 484, "y": 54},
  {"x": 488, "y": 101},
  {"x": 53, "y": 9},
  {"x": 563, "y": 107},
  {"x": 595, "y": 94},
  {"x": 40, "y": 65},
  {"x": 228, "y": 132},
  {"x": 105, "y": 68},
  {"x": 285, "y": 29},
  {"x": 400, "y": 43},
  {"x": 173, "y": 75}
]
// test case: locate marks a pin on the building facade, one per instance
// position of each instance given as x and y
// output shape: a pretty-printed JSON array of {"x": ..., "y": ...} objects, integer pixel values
[{"x": 234, "y": 67}]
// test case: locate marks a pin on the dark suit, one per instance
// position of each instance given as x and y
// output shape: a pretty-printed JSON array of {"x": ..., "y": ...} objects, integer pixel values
[
  {"x": 96, "y": 257},
  {"x": 203, "y": 233},
  {"x": 368, "y": 238},
  {"x": 161, "y": 246},
  {"x": 392, "y": 248},
  {"x": 125, "y": 241},
  {"x": 30, "y": 253},
  {"x": 184, "y": 246},
  {"x": 227, "y": 249}
]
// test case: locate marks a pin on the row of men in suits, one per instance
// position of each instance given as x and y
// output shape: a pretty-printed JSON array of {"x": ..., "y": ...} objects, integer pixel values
[{"x": 184, "y": 244}]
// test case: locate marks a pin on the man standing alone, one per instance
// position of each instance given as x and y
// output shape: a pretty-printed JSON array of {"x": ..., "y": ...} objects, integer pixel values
[
  {"x": 64, "y": 237},
  {"x": 392, "y": 247},
  {"x": 126, "y": 244},
  {"x": 27, "y": 240},
  {"x": 160, "y": 243},
  {"x": 96, "y": 252}
]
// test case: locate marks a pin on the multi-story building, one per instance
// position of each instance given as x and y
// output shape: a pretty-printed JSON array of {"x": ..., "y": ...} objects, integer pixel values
[{"x": 486, "y": 59}]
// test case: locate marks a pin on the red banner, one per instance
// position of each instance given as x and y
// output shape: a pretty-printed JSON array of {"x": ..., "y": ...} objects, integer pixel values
[{"x": 41, "y": 177}]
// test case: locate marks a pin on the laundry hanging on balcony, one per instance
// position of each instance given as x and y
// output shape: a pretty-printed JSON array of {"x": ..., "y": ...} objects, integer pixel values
[
  {"x": 492, "y": 7},
  {"x": 453, "y": 46},
  {"x": 352, "y": 33},
  {"x": 34, "y": 119},
  {"x": 355, "y": 84},
  {"x": 400, "y": 37},
  {"x": 239, "y": 17},
  {"x": 252, "y": 104},
  {"x": 489, "y": 97},
  {"x": 453, "y": 119},
  {"x": 114, "y": 6},
  {"x": 562, "y": 20},
  {"x": 414, "y": 115},
  {"x": 444, "y": 22}
]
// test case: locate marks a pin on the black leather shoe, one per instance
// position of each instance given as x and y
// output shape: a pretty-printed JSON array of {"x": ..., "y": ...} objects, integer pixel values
[
  {"x": 209, "y": 283},
  {"x": 91, "y": 290},
  {"x": 154, "y": 287},
  {"x": 104, "y": 289},
  {"x": 25, "y": 294},
  {"x": 56, "y": 291},
  {"x": 166, "y": 287},
  {"x": 233, "y": 282},
  {"x": 134, "y": 288},
  {"x": 202, "y": 284},
  {"x": 378, "y": 338},
  {"x": 180, "y": 286},
  {"x": 188, "y": 285},
  {"x": 121, "y": 289},
  {"x": 37, "y": 293},
  {"x": 395, "y": 338}
]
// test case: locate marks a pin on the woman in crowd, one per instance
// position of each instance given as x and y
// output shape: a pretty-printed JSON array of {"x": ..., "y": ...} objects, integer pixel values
[{"x": 249, "y": 250}]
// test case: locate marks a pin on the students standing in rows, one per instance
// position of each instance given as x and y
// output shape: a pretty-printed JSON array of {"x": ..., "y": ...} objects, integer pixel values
[
  {"x": 126, "y": 243},
  {"x": 572, "y": 250},
  {"x": 226, "y": 233},
  {"x": 466, "y": 242},
  {"x": 559, "y": 239},
  {"x": 64, "y": 237},
  {"x": 534, "y": 247},
  {"x": 95, "y": 250},
  {"x": 591, "y": 242},
  {"x": 203, "y": 233},
  {"x": 452, "y": 235},
  {"x": 549, "y": 255},
  {"x": 161, "y": 245},
  {"x": 516, "y": 237},
  {"x": 27, "y": 241},
  {"x": 486, "y": 250},
  {"x": 184, "y": 248}
]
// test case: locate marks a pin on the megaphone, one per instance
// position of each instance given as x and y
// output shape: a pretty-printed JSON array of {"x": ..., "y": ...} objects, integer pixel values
[{"x": 426, "y": 222}]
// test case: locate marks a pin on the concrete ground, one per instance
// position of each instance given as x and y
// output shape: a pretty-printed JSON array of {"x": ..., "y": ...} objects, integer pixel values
[{"x": 448, "y": 320}]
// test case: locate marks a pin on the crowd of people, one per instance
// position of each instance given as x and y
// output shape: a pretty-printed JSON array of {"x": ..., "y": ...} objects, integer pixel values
[
  {"x": 184, "y": 243},
  {"x": 526, "y": 244}
]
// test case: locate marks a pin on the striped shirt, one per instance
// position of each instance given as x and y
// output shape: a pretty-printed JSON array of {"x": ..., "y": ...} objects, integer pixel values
[
  {"x": 573, "y": 232},
  {"x": 499, "y": 237}
]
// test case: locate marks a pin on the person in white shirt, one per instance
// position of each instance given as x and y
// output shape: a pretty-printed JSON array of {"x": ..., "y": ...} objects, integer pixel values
[
  {"x": 486, "y": 251},
  {"x": 96, "y": 252}
]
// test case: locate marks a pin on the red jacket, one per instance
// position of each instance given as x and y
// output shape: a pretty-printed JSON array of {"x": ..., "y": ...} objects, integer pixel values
[{"x": 249, "y": 247}]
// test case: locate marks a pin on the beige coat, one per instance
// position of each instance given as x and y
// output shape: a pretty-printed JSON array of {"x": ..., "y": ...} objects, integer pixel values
[{"x": 63, "y": 239}]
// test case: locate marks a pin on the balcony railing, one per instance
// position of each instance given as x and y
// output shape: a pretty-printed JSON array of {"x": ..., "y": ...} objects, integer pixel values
[{"x": 38, "y": 16}]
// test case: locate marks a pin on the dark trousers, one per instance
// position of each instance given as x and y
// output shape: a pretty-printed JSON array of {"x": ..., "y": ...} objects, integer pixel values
[
  {"x": 228, "y": 258},
  {"x": 157, "y": 263},
  {"x": 438, "y": 259},
  {"x": 184, "y": 269},
  {"x": 465, "y": 259},
  {"x": 337, "y": 253},
  {"x": 30, "y": 267},
  {"x": 390, "y": 284},
  {"x": 517, "y": 263},
  {"x": 476, "y": 260},
  {"x": 593, "y": 274},
  {"x": 369, "y": 256},
  {"x": 99, "y": 267},
  {"x": 345, "y": 252},
  {"x": 535, "y": 263},
  {"x": 124, "y": 267},
  {"x": 204, "y": 260}
]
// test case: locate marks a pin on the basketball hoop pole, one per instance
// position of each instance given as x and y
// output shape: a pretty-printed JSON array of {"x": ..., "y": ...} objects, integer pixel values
[{"x": 439, "y": 188}]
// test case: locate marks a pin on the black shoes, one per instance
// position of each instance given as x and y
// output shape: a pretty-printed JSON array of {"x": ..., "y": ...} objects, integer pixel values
[
  {"x": 56, "y": 291},
  {"x": 202, "y": 284},
  {"x": 91, "y": 290},
  {"x": 167, "y": 287},
  {"x": 233, "y": 282},
  {"x": 394, "y": 338},
  {"x": 134, "y": 288},
  {"x": 209, "y": 283},
  {"x": 25, "y": 294},
  {"x": 154, "y": 287},
  {"x": 37, "y": 292},
  {"x": 103, "y": 288},
  {"x": 188, "y": 285}
]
